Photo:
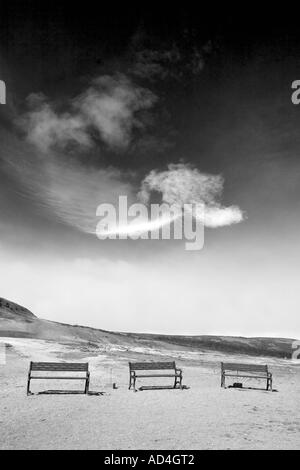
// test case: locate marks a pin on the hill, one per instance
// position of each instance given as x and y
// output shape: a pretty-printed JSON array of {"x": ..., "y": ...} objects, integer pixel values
[{"x": 17, "y": 321}]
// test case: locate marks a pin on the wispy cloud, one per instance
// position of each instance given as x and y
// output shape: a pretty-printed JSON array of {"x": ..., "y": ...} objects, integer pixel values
[
  {"x": 166, "y": 63},
  {"x": 69, "y": 193},
  {"x": 182, "y": 184},
  {"x": 108, "y": 110},
  {"x": 74, "y": 193},
  {"x": 111, "y": 106},
  {"x": 46, "y": 129},
  {"x": 167, "y": 60}
]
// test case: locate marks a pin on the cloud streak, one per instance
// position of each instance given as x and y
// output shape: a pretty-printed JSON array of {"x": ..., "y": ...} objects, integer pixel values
[{"x": 62, "y": 189}]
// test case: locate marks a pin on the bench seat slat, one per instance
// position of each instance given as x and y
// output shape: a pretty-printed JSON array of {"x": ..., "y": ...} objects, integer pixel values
[
  {"x": 61, "y": 377},
  {"x": 244, "y": 367},
  {"x": 60, "y": 366},
  {"x": 155, "y": 375},
  {"x": 248, "y": 376},
  {"x": 151, "y": 365}
]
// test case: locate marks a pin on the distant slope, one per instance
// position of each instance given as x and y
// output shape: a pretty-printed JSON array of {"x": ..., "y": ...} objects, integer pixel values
[
  {"x": 11, "y": 310},
  {"x": 17, "y": 321},
  {"x": 277, "y": 347}
]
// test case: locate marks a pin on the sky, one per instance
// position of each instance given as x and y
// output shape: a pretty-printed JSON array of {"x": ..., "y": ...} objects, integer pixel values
[{"x": 158, "y": 107}]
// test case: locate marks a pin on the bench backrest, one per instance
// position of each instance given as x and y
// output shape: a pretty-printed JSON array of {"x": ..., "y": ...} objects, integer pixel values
[
  {"x": 152, "y": 365},
  {"x": 234, "y": 366},
  {"x": 60, "y": 366}
]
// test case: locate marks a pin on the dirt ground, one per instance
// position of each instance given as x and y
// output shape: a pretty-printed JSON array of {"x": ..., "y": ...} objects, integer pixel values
[{"x": 203, "y": 416}]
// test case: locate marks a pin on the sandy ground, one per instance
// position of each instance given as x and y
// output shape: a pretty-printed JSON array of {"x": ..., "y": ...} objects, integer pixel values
[{"x": 202, "y": 417}]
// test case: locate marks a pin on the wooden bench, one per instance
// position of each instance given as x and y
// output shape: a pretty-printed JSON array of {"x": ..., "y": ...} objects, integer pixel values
[
  {"x": 253, "y": 371},
  {"x": 55, "y": 367},
  {"x": 169, "y": 367}
]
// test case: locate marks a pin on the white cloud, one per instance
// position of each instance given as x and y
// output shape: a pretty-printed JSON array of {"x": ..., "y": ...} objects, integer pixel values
[
  {"x": 182, "y": 184},
  {"x": 221, "y": 216},
  {"x": 111, "y": 105},
  {"x": 108, "y": 109},
  {"x": 45, "y": 128}
]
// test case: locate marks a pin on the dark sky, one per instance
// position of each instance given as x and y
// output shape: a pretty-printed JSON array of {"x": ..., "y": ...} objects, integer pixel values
[{"x": 208, "y": 89}]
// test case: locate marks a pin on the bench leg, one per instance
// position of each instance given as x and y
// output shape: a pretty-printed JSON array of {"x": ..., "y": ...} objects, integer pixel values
[
  {"x": 132, "y": 380},
  {"x": 178, "y": 381},
  {"x": 87, "y": 384},
  {"x": 28, "y": 386},
  {"x": 223, "y": 380},
  {"x": 269, "y": 383}
]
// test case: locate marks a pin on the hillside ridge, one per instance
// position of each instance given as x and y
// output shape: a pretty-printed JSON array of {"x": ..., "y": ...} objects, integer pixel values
[{"x": 18, "y": 321}]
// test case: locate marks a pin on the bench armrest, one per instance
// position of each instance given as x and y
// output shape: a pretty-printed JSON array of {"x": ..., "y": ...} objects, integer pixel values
[{"x": 178, "y": 370}]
